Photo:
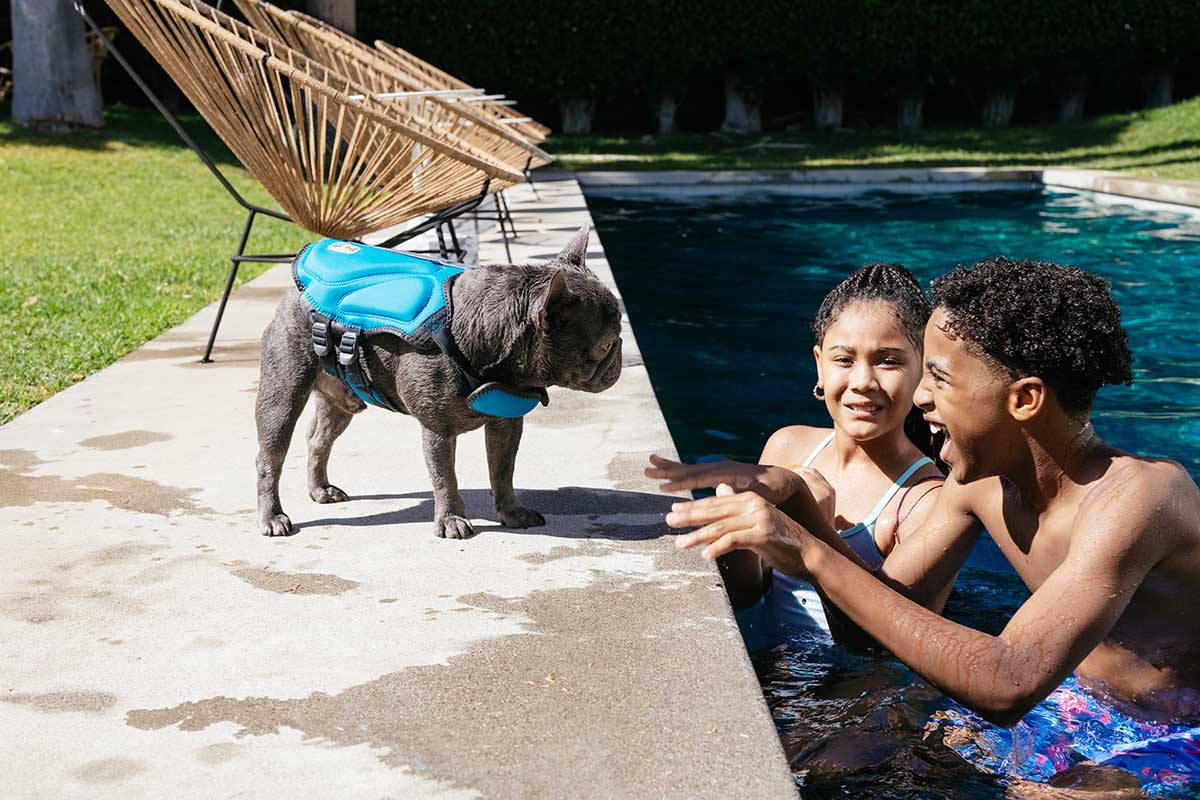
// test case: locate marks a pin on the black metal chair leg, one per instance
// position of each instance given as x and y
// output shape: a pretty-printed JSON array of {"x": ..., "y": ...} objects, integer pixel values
[
  {"x": 512, "y": 225},
  {"x": 459, "y": 253},
  {"x": 233, "y": 270},
  {"x": 529, "y": 178}
]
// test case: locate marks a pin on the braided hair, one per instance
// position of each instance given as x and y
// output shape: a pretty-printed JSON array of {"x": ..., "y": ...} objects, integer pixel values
[{"x": 896, "y": 286}]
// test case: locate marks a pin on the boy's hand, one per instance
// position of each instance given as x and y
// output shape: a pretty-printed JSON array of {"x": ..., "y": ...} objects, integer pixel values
[
  {"x": 742, "y": 521},
  {"x": 773, "y": 484}
]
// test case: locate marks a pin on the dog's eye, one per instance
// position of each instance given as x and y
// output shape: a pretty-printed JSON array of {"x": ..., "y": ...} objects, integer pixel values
[{"x": 600, "y": 350}]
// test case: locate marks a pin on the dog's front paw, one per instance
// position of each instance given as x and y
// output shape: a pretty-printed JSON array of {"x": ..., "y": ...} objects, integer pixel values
[
  {"x": 452, "y": 527},
  {"x": 328, "y": 494},
  {"x": 521, "y": 517},
  {"x": 277, "y": 525}
]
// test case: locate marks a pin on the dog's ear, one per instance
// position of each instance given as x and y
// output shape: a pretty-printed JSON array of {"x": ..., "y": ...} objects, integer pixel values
[
  {"x": 550, "y": 306},
  {"x": 575, "y": 253}
]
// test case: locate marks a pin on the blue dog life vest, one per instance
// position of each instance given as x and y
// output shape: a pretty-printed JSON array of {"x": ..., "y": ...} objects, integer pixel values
[{"x": 355, "y": 291}]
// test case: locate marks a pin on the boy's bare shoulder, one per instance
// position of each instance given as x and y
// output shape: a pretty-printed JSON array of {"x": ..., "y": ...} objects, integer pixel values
[
  {"x": 1154, "y": 494},
  {"x": 1143, "y": 481},
  {"x": 792, "y": 444}
]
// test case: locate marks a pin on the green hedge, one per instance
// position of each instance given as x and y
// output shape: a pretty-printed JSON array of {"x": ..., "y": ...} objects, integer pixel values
[{"x": 624, "y": 48}]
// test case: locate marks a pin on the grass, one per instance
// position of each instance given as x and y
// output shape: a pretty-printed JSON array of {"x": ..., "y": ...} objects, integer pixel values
[
  {"x": 1160, "y": 143},
  {"x": 108, "y": 238}
]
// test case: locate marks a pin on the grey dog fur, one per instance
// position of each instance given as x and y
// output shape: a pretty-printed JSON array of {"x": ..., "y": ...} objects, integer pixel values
[{"x": 526, "y": 325}]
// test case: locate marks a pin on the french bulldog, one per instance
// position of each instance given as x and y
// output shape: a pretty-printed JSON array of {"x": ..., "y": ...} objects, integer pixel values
[{"x": 533, "y": 326}]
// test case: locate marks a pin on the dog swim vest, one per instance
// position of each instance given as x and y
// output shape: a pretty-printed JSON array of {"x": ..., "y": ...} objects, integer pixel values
[{"x": 355, "y": 290}]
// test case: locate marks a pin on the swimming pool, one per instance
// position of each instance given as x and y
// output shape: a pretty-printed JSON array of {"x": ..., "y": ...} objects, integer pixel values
[{"x": 721, "y": 289}]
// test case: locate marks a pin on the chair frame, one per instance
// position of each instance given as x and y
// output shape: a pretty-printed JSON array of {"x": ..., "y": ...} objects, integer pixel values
[{"x": 437, "y": 221}]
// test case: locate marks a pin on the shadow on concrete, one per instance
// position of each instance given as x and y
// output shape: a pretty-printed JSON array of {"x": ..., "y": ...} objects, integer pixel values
[{"x": 606, "y": 513}]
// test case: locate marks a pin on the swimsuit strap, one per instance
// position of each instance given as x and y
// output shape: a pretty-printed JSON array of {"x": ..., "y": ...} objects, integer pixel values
[
  {"x": 817, "y": 450},
  {"x": 907, "y": 491},
  {"x": 869, "y": 522}
]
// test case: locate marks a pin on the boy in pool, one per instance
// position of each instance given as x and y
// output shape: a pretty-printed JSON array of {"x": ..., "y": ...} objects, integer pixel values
[{"x": 1109, "y": 543}]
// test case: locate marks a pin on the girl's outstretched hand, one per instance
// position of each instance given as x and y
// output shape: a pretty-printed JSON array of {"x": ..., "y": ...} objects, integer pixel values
[
  {"x": 773, "y": 484},
  {"x": 742, "y": 521}
]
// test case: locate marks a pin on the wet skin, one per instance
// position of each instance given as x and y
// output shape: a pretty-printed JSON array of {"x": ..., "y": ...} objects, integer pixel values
[{"x": 1108, "y": 543}]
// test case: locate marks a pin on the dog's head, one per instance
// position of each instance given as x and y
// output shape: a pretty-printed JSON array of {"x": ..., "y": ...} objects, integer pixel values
[{"x": 575, "y": 323}]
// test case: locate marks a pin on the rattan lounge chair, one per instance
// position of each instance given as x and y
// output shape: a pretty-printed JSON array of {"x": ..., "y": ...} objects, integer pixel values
[
  {"x": 495, "y": 105},
  {"x": 412, "y": 72},
  {"x": 444, "y": 109},
  {"x": 339, "y": 162}
]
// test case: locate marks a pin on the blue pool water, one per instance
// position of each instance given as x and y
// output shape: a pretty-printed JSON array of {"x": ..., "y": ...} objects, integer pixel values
[{"x": 722, "y": 289}]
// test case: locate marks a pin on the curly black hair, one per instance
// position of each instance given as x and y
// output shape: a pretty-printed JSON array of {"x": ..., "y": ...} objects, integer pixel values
[
  {"x": 1037, "y": 318},
  {"x": 895, "y": 285}
]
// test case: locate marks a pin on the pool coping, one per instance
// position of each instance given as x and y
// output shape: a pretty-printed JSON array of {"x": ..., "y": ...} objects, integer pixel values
[{"x": 1180, "y": 193}]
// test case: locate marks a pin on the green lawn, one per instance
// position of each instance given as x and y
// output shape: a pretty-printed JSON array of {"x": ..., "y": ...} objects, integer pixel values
[
  {"x": 108, "y": 238},
  {"x": 1163, "y": 143}
]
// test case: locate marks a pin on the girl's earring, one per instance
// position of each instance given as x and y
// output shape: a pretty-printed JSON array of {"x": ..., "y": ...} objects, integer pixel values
[{"x": 819, "y": 392}]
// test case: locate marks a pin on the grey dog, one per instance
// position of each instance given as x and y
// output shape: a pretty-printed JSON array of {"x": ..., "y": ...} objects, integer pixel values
[{"x": 537, "y": 325}]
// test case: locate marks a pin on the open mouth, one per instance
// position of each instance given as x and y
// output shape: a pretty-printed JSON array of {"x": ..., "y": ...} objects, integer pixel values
[{"x": 937, "y": 428}]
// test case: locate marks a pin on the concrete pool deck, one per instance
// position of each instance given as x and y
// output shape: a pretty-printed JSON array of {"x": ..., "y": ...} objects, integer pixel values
[{"x": 156, "y": 645}]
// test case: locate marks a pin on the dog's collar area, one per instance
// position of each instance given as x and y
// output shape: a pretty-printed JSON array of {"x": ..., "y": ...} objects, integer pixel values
[
  {"x": 498, "y": 400},
  {"x": 494, "y": 398}
]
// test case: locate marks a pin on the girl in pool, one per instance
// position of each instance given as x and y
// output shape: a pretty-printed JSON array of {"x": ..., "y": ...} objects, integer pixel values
[{"x": 871, "y": 474}]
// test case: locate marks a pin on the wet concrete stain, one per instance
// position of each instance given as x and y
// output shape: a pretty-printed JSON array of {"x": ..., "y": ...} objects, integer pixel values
[
  {"x": 109, "y": 770},
  {"x": 305, "y": 583},
  {"x": 625, "y": 470},
  {"x": 18, "y": 488},
  {"x": 63, "y": 702},
  {"x": 586, "y": 549},
  {"x": 125, "y": 440},
  {"x": 528, "y": 714},
  {"x": 75, "y": 583},
  {"x": 230, "y": 354},
  {"x": 219, "y": 753}
]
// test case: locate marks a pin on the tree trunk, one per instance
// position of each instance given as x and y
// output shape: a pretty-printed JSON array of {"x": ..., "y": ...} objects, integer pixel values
[
  {"x": 1158, "y": 87},
  {"x": 910, "y": 111},
  {"x": 338, "y": 13},
  {"x": 743, "y": 113},
  {"x": 52, "y": 69},
  {"x": 577, "y": 114},
  {"x": 1072, "y": 101},
  {"x": 664, "y": 114},
  {"x": 827, "y": 106},
  {"x": 998, "y": 107}
]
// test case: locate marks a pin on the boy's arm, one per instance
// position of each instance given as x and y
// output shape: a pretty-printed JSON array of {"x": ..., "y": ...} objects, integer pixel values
[{"x": 1116, "y": 540}]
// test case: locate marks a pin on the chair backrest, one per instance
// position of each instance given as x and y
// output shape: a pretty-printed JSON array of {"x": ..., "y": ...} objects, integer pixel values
[
  {"x": 365, "y": 66},
  {"x": 434, "y": 78},
  {"x": 339, "y": 162}
]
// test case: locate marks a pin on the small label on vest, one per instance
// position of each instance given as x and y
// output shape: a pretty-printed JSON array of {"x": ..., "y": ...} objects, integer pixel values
[{"x": 344, "y": 247}]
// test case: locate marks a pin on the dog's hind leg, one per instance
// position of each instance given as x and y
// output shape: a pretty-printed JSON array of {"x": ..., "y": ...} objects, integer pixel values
[
  {"x": 336, "y": 405},
  {"x": 288, "y": 368}
]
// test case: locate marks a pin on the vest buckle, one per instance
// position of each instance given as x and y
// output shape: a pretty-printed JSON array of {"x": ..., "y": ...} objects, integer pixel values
[{"x": 348, "y": 348}]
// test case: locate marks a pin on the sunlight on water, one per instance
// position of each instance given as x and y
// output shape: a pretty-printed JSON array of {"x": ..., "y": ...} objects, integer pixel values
[{"x": 722, "y": 290}]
